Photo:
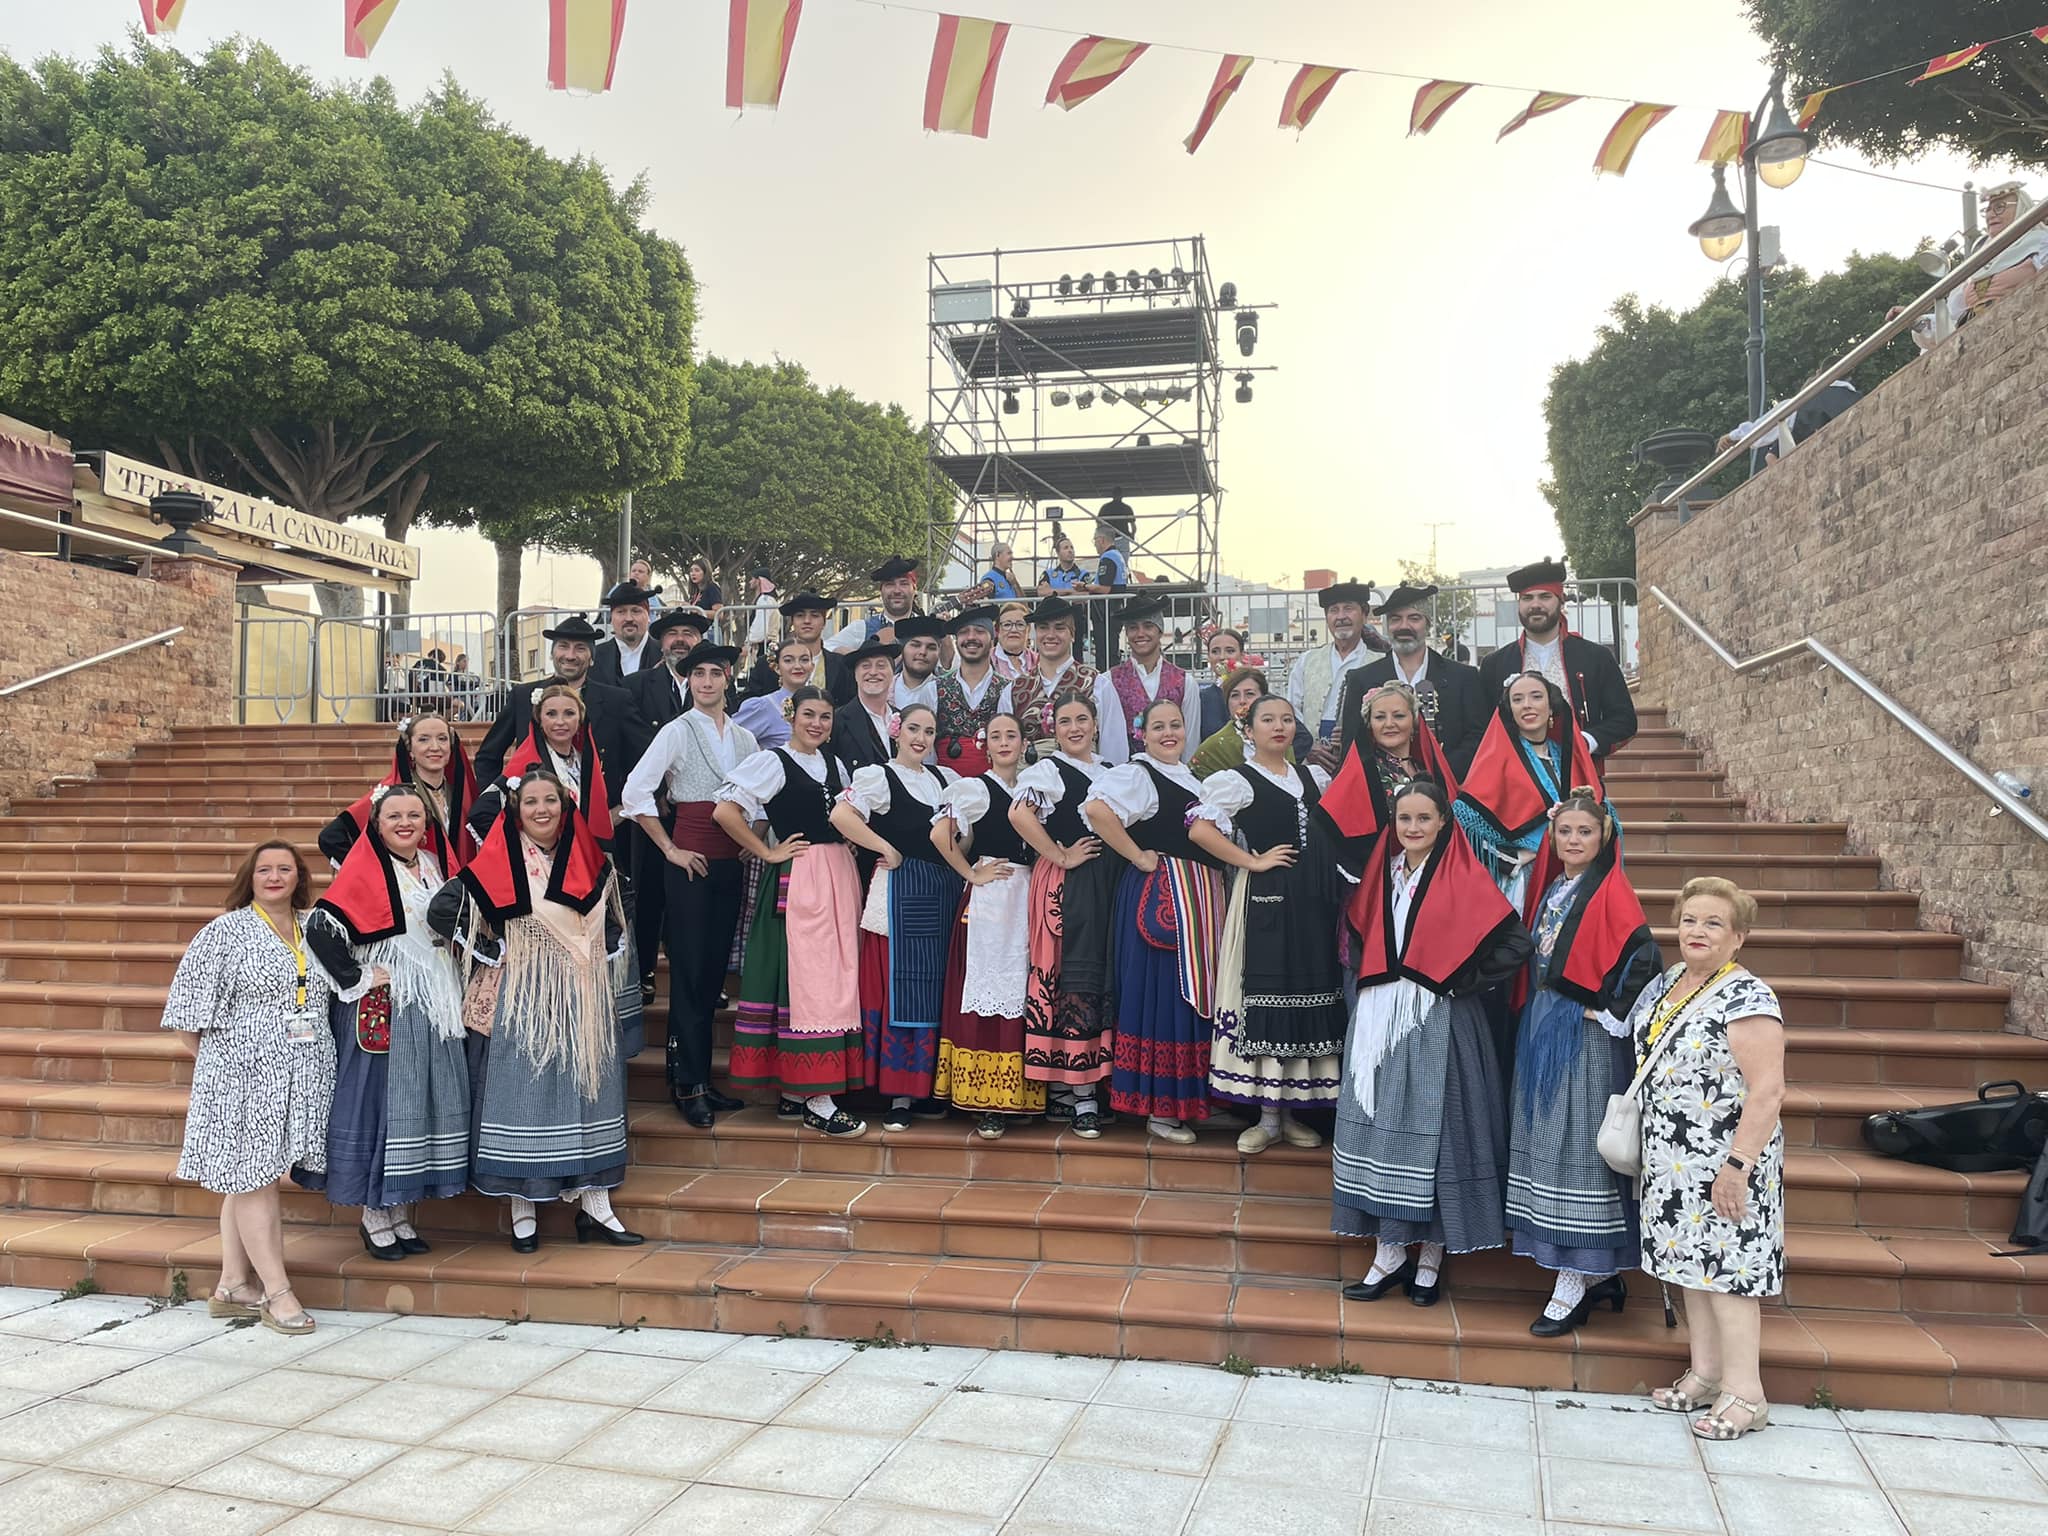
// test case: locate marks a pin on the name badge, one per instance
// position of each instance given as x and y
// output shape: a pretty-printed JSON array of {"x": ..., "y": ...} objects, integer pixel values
[{"x": 300, "y": 1027}]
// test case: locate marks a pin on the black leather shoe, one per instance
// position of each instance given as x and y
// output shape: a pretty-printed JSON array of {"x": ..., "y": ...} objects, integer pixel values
[
  {"x": 527, "y": 1244},
  {"x": 1358, "y": 1290},
  {"x": 390, "y": 1252},
  {"x": 588, "y": 1230},
  {"x": 415, "y": 1244},
  {"x": 1613, "y": 1290},
  {"x": 724, "y": 1103},
  {"x": 1425, "y": 1295},
  {"x": 696, "y": 1108}
]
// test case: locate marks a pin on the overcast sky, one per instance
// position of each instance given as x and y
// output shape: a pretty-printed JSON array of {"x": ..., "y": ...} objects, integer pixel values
[{"x": 1426, "y": 286}]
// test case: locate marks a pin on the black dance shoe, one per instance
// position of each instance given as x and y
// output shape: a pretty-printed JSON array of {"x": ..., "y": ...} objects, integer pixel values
[
  {"x": 588, "y": 1229},
  {"x": 1613, "y": 1290},
  {"x": 390, "y": 1252},
  {"x": 839, "y": 1124},
  {"x": 894, "y": 1119},
  {"x": 787, "y": 1108},
  {"x": 646, "y": 992},
  {"x": 724, "y": 1103},
  {"x": 1425, "y": 1295},
  {"x": 527, "y": 1244},
  {"x": 696, "y": 1110},
  {"x": 415, "y": 1244},
  {"x": 1360, "y": 1290}
]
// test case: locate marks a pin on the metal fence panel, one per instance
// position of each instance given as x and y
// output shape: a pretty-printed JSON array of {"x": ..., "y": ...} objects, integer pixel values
[
  {"x": 387, "y": 666},
  {"x": 274, "y": 658}
]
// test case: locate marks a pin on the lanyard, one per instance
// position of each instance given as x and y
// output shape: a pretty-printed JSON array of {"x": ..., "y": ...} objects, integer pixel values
[
  {"x": 1669, "y": 1009},
  {"x": 297, "y": 945}
]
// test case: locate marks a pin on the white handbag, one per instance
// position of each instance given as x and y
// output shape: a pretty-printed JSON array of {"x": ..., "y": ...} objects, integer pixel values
[{"x": 1620, "y": 1142}]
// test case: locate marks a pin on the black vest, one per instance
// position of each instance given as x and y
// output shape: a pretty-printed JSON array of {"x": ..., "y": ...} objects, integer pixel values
[
  {"x": 803, "y": 807},
  {"x": 1066, "y": 825},
  {"x": 994, "y": 837},
  {"x": 907, "y": 825},
  {"x": 1274, "y": 816},
  {"x": 1165, "y": 831}
]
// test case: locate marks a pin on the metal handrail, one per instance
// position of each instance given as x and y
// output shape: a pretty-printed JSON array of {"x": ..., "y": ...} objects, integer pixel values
[
  {"x": 88, "y": 535},
  {"x": 2010, "y": 803},
  {"x": 164, "y": 638},
  {"x": 1875, "y": 342}
]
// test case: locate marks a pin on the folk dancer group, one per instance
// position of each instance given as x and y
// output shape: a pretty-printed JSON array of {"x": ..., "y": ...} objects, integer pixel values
[{"x": 1391, "y": 901}]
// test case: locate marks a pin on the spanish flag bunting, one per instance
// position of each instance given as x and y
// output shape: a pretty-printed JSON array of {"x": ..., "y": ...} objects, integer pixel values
[
  {"x": 1091, "y": 65},
  {"x": 759, "y": 36},
  {"x": 583, "y": 43},
  {"x": 1619, "y": 147},
  {"x": 1432, "y": 102},
  {"x": 362, "y": 23},
  {"x": 2041, "y": 34},
  {"x": 1727, "y": 139},
  {"x": 1810, "y": 109},
  {"x": 1305, "y": 93},
  {"x": 1542, "y": 104},
  {"x": 162, "y": 15},
  {"x": 1948, "y": 63},
  {"x": 962, "y": 85},
  {"x": 1229, "y": 76}
]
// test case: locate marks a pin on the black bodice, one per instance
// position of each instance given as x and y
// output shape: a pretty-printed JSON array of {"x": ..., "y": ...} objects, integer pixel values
[
  {"x": 1274, "y": 816},
  {"x": 907, "y": 824},
  {"x": 1165, "y": 831},
  {"x": 994, "y": 837},
  {"x": 1066, "y": 825},
  {"x": 803, "y": 806}
]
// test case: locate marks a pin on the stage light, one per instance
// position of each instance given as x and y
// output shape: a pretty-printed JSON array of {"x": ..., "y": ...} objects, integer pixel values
[
  {"x": 1156, "y": 278},
  {"x": 1144, "y": 440},
  {"x": 1059, "y": 397},
  {"x": 1110, "y": 396},
  {"x": 1066, "y": 284},
  {"x": 1247, "y": 330},
  {"x": 1180, "y": 277},
  {"x": 1109, "y": 282},
  {"x": 1244, "y": 389},
  {"x": 1087, "y": 282},
  {"x": 1155, "y": 395},
  {"x": 1009, "y": 402},
  {"x": 1020, "y": 309},
  {"x": 1132, "y": 279},
  {"x": 1085, "y": 399},
  {"x": 1226, "y": 296}
]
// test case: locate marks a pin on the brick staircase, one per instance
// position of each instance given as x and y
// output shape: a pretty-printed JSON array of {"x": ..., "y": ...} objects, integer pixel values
[{"x": 1118, "y": 1247}]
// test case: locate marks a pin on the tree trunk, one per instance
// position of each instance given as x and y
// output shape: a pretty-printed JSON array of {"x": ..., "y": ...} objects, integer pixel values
[
  {"x": 510, "y": 553},
  {"x": 338, "y": 599},
  {"x": 608, "y": 569},
  {"x": 401, "y": 507}
]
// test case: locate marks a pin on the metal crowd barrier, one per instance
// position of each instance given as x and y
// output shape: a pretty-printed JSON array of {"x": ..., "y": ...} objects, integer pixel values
[
  {"x": 386, "y": 666},
  {"x": 274, "y": 655}
]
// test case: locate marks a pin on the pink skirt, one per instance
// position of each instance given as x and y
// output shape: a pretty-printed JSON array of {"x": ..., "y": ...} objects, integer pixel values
[{"x": 824, "y": 930}]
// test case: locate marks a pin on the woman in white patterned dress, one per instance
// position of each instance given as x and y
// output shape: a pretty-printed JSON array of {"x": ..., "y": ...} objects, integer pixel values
[
  {"x": 1713, "y": 1192},
  {"x": 255, "y": 1003}
]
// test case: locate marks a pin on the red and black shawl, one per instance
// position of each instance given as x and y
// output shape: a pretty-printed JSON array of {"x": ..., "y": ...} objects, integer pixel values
[
  {"x": 451, "y": 845},
  {"x": 1356, "y": 801},
  {"x": 1601, "y": 933},
  {"x": 496, "y": 878},
  {"x": 594, "y": 802},
  {"x": 1456, "y": 914},
  {"x": 363, "y": 896},
  {"x": 1502, "y": 786}
]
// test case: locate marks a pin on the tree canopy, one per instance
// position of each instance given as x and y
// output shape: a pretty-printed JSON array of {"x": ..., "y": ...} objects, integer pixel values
[
  {"x": 1653, "y": 368},
  {"x": 1997, "y": 109},
  {"x": 815, "y": 484},
  {"x": 315, "y": 293}
]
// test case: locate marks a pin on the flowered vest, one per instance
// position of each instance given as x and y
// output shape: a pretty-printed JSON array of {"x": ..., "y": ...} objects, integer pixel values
[
  {"x": 961, "y": 724},
  {"x": 1130, "y": 692},
  {"x": 1032, "y": 698}
]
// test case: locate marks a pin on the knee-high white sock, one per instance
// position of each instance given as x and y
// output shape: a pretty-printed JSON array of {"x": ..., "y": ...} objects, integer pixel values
[
  {"x": 377, "y": 1222},
  {"x": 524, "y": 1220},
  {"x": 597, "y": 1205},
  {"x": 1429, "y": 1263},
  {"x": 1570, "y": 1289},
  {"x": 401, "y": 1223},
  {"x": 821, "y": 1104},
  {"x": 1387, "y": 1258},
  {"x": 1269, "y": 1119}
]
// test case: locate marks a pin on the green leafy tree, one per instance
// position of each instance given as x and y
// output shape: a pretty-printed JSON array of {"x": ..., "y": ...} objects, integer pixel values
[
  {"x": 1997, "y": 109},
  {"x": 317, "y": 294},
  {"x": 1653, "y": 368},
  {"x": 815, "y": 484}
]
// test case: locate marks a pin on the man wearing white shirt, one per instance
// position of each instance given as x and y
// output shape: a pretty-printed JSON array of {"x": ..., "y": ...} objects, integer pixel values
[
  {"x": 1145, "y": 674},
  {"x": 919, "y": 637},
  {"x": 1450, "y": 695},
  {"x": 1315, "y": 683},
  {"x": 971, "y": 694},
  {"x": 627, "y": 651},
  {"x": 860, "y": 727},
  {"x": 896, "y": 583},
  {"x": 1034, "y": 695}
]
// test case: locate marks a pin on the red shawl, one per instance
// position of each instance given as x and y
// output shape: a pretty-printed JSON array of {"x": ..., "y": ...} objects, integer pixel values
[
  {"x": 1603, "y": 927},
  {"x": 458, "y": 791},
  {"x": 594, "y": 804},
  {"x": 1455, "y": 914},
  {"x": 363, "y": 896},
  {"x": 1502, "y": 786},
  {"x": 496, "y": 877},
  {"x": 1355, "y": 802}
]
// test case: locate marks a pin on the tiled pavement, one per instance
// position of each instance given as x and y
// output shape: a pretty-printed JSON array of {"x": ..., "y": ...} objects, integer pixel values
[{"x": 118, "y": 1418}]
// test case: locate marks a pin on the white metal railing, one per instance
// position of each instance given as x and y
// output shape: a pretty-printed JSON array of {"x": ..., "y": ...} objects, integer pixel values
[
  {"x": 1875, "y": 342},
  {"x": 64, "y": 531},
  {"x": 163, "y": 638},
  {"x": 2010, "y": 803}
]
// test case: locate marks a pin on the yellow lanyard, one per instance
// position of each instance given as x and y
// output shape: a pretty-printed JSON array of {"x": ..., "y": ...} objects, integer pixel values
[
  {"x": 296, "y": 944},
  {"x": 1671, "y": 1007}
]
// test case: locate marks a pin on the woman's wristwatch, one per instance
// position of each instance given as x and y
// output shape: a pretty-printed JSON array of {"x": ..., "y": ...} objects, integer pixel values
[{"x": 1740, "y": 1163}]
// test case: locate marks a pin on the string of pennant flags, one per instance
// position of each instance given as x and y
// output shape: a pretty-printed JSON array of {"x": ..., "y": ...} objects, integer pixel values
[{"x": 584, "y": 37}]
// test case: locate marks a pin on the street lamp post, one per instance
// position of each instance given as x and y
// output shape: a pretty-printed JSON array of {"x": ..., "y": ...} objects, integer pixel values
[{"x": 1776, "y": 155}]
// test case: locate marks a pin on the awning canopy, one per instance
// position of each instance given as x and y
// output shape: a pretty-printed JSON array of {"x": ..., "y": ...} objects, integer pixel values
[{"x": 34, "y": 474}]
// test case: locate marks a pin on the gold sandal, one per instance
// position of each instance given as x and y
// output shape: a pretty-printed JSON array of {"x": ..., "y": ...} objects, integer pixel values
[
  {"x": 1716, "y": 1425},
  {"x": 226, "y": 1303},
  {"x": 1675, "y": 1399},
  {"x": 302, "y": 1324}
]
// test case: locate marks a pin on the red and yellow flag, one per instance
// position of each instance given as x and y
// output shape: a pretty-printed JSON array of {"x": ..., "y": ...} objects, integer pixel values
[
  {"x": 1305, "y": 94},
  {"x": 1091, "y": 65},
  {"x": 1727, "y": 139},
  {"x": 1948, "y": 63},
  {"x": 583, "y": 43},
  {"x": 2041, "y": 34},
  {"x": 1619, "y": 147},
  {"x": 1432, "y": 102},
  {"x": 362, "y": 23},
  {"x": 962, "y": 85},
  {"x": 162, "y": 15},
  {"x": 1542, "y": 104},
  {"x": 759, "y": 36},
  {"x": 1810, "y": 108},
  {"x": 1229, "y": 76}
]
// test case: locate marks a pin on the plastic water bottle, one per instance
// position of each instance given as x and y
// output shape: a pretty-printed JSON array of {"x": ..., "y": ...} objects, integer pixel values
[{"x": 2013, "y": 785}]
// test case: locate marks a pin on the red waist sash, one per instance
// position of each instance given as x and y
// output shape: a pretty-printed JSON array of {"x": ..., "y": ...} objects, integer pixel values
[{"x": 695, "y": 830}]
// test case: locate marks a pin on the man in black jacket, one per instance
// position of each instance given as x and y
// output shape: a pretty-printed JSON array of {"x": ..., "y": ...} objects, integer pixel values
[
  {"x": 616, "y": 726},
  {"x": 657, "y": 691},
  {"x": 1588, "y": 673},
  {"x": 860, "y": 730},
  {"x": 806, "y": 615},
  {"x": 1453, "y": 699},
  {"x": 616, "y": 661}
]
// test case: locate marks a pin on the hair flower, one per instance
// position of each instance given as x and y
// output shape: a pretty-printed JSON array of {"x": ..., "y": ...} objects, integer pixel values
[{"x": 895, "y": 724}]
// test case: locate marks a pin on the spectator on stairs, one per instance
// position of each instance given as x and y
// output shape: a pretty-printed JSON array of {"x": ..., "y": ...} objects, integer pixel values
[
  {"x": 2011, "y": 271},
  {"x": 399, "y": 1129},
  {"x": 255, "y": 1004}
]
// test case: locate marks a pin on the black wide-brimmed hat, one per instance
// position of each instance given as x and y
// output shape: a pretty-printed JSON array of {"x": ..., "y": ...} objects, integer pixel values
[
  {"x": 1541, "y": 574},
  {"x": 1349, "y": 590},
  {"x": 894, "y": 567},
  {"x": 698, "y": 655},
  {"x": 575, "y": 627},
  {"x": 1143, "y": 610},
  {"x": 1407, "y": 595},
  {"x": 805, "y": 602},
  {"x": 982, "y": 616},
  {"x": 627, "y": 594},
  {"x": 1055, "y": 607},
  {"x": 918, "y": 627},
  {"x": 680, "y": 618},
  {"x": 871, "y": 648}
]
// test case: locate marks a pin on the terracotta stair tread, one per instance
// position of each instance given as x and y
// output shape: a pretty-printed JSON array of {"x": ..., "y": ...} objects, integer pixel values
[
  {"x": 1983, "y": 1045},
  {"x": 1852, "y": 1168}
]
